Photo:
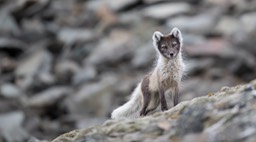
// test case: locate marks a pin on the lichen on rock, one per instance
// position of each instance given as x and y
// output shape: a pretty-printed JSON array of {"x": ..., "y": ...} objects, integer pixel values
[{"x": 227, "y": 115}]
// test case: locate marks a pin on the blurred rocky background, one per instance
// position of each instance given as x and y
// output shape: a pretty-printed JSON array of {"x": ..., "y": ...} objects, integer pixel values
[{"x": 66, "y": 64}]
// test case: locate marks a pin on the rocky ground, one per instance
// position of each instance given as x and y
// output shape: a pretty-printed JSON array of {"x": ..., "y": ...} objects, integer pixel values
[
  {"x": 66, "y": 65},
  {"x": 225, "y": 116}
]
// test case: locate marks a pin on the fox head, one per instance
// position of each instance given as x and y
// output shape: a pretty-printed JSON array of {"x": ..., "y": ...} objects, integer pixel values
[{"x": 169, "y": 45}]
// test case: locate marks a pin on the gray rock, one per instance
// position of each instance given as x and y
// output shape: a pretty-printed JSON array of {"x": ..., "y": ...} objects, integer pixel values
[
  {"x": 12, "y": 46},
  {"x": 197, "y": 65},
  {"x": 7, "y": 23},
  {"x": 120, "y": 4},
  {"x": 193, "y": 39},
  {"x": 152, "y": 1},
  {"x": 11, "y": 126},
  {"x": 237, "y": 5},
  {"x": 65, "y": 70},
  {"x": 227, "y": 25},
  {"x": 66, "y": 66},
  {"x": 89, "y": 122},
  {"x": 243, "y": 40},
  {"x": 69, "y": 36},
  {"x": 9, "y": 90},
  {"x": 47, "y": 97},
  {"x": 37, "y": 65},
  {"x": 34, "y": 25},
  {"x": 243, "y": 64},
  {"x": 195, "y": 137},
  {"x": 7, "y": 64},
  {"x": 46, "y": 78},
  {"x": 244, "y": 6},
  {"x": 94, "y": 5},
  {"x": 190, "y": 88},
  {"x": 33, "y": 139},
  {"x": 92, "y": 99},
  {"x": 216, "y": 117},
  {"x": 115, "y": 37},
  {"x": 129, "y": 18},
  {"x": 248, "y": 21},
  {"x": 112, "y": 50},
  {"x": 27, "y": 8},
  {"x": 144, "y": 56},
  {"x": 199, "y": 24},
  {"x": 166, "y": 10},
  {"x": 83, "y": 75},
  {"x": 162, "y": 1},
  {"x": 211, "y": 47}
]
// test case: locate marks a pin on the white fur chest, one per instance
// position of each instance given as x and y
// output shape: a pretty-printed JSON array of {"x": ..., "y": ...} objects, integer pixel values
[{"x": 169, "y": 73}]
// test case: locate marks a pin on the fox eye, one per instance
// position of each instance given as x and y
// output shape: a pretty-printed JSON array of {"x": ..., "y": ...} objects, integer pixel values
[
  {"x": 164, "y": 47},
  {"x": 174, "y": 43}
]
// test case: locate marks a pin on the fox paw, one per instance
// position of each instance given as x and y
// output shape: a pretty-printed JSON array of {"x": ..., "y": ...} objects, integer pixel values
[
  {"x": 142, "y": 113},
  {"x": 164, "y": 108}
]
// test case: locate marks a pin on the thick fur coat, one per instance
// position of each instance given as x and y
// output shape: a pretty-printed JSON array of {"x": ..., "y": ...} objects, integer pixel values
[{"x": 166, "y": 76}]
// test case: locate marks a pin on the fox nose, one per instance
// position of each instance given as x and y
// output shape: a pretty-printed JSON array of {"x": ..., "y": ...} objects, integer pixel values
[{"x": 171, "y": 54}]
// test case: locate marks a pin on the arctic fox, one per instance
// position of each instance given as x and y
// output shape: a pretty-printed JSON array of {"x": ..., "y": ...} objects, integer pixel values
[{"x": 167, "y": 74}]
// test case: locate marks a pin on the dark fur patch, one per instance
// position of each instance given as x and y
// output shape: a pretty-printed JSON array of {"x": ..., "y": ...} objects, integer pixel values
[
  {"x": 162, "y": 98},
  {"x": 157, "y": 101},
  {"x": 176, "y": 94},
  {"x": 146, "y": 94},
  {"x": 169, "y": 46}
]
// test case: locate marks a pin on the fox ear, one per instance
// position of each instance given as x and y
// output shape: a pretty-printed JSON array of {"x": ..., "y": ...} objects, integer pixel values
[
  {"x": 177, "y": 34},
  {"x": 156, "y": 37}
]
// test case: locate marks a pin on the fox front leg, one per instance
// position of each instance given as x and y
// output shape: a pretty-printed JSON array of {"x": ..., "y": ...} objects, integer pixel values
[
  {"x": 176, "y": 94},
  {"x": 162, "y": 99},
  {"x": 146, "y": 100},
  {"x": 145, "y": 95}
]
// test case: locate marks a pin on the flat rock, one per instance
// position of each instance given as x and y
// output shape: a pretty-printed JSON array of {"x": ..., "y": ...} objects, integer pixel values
[
  {"x": 85, "y": 74},
  {"x": 198, "y": 24},
  {"x": 152, "y": 1},
  {"x": 93, "y": 98},
  {"x": 11, "y": 46},
  {"x": 211, "y": 47},
  {"x": 9, "y": 90},
  {"x": 7, "y": 64},
  {"x": 238, "y": 6},
  {"x": 89, "y": 122},
  {"x": 111, "y": 50},
  {"x": 161, "y": 1},
  {"x": 35, "y": 65},
  {"x": 144, "y": 56},
  {"x": 227, "y": 25},
  {"x": 249, "y": 21},
  {"x": 65, "y": 70},
  {"x": 190, "y": 89},
  {"x": 120, "y": 4},
  {"x": 47, "y": 97},
  {"x": 11, "y": 126},
  {"x": 8, "y": 23},
  {"x": 28, "y": 8},
  {"x": 166, "y": 10},
  {"x": 69, "y": 35}
]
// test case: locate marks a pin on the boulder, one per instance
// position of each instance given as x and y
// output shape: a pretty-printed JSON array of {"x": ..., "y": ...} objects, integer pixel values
[
  {"x": 227, "y": 115},
  {"x": 11, "y": 126},
  {"x": 48, "y": 97},
  {"x": 166, "y": 10},
  {"x": 9, "y": 90},
  {"x": 92, "y": 99},
  {"x": 34, "y": 68},
  {"x": 119, "y": 5}
]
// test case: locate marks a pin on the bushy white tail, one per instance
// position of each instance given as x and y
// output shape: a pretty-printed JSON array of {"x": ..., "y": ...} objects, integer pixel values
[{"x": 131, "y": 108}]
